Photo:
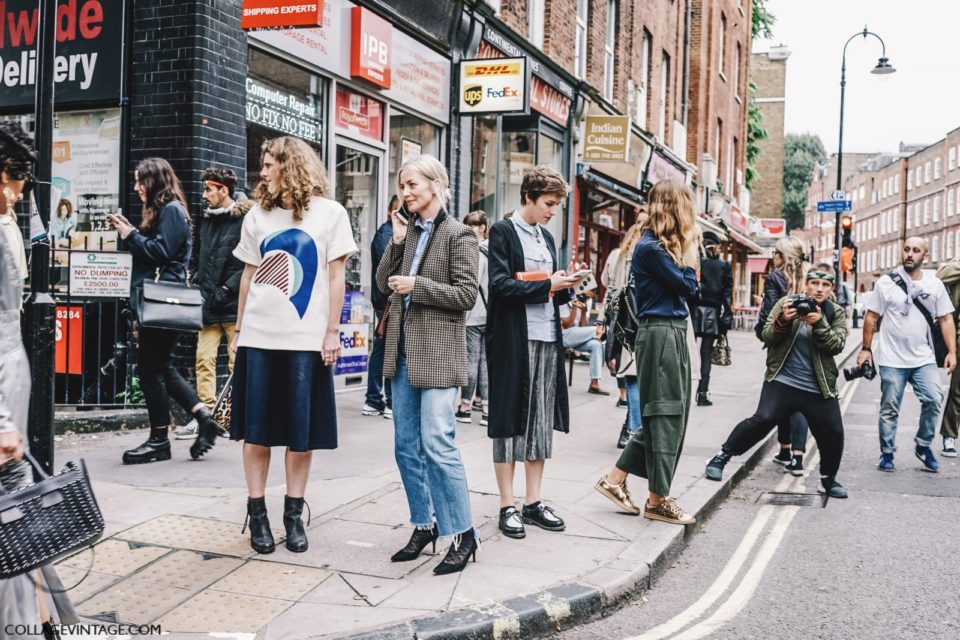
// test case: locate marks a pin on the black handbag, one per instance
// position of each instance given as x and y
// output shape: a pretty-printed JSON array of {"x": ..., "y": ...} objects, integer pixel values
[
  {"x": 48, "y": 520},
  {"x": 175, "y": 306}
]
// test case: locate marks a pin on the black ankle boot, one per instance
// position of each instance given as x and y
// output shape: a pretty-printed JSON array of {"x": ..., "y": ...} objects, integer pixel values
[
  {"x": 624, "y": 437},
  {"x": 703, "y": 400},
  {"x": 208, "y": 432},
  {"x": 418, "y": 540},
  {"x": 296, "y": 535},
  {"x": 261, "y": 538},
  {"x": 464, "y": 548},
  {"x": 156, "y": 449}
]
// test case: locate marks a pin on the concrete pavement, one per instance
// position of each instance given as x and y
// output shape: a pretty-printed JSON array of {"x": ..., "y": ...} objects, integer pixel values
[{"x": 174, "y": 553}]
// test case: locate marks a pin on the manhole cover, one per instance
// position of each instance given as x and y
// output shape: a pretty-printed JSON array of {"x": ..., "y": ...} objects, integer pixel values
[{"x": 787, "y": 499}]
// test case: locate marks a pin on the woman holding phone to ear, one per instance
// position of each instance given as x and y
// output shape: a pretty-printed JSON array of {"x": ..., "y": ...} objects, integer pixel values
[{"x": 430, "y": 271}]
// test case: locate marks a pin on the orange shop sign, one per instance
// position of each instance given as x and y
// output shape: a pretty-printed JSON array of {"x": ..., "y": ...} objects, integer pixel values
[
  {"x": 272, "y": 14},
  {"x": 359, "y": 114},
  {"x": 371, "y": 45}
]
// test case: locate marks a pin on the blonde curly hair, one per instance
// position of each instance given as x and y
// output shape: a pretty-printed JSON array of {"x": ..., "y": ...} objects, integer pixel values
[
  {"x": 302, "y": 176},
  {"x": 671, "y": 218},
  {"x": 795, "y": 266}
]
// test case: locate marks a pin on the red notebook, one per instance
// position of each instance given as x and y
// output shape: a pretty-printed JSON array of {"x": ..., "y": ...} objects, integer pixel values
[{"x": 530, "y": 276}]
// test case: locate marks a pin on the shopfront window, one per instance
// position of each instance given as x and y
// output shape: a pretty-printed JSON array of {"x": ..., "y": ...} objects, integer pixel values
[
  {"x": 282, "y": 99},
  {"x": 483, "y": 184},
  {"x": 518, "y": 154},
  {"x": 357, "y": 177},
  {"x": 409, "y": 138}
]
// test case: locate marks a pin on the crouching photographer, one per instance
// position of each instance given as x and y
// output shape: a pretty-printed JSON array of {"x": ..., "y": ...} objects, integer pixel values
[{"x": 803, "y": 333}]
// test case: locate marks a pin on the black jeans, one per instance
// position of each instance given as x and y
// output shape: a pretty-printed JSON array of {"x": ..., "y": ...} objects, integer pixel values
[
  {"x": 706, "y": 361},
  {"x": 158, "y": 376},
  {"x": 777, "y": 402},
  {"x": 793, "y": 431}
]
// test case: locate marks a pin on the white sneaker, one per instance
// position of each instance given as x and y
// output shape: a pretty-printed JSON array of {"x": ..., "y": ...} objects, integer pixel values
[
  {"x": 949, "y": 447},
  {"x": 388, "y": 413},
  {"x": 188, "y": 431},
  {"x": 370, "y": 411}
]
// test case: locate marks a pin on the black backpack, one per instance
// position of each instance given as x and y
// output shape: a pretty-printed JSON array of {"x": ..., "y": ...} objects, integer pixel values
[{"x": 620, "y": 315}]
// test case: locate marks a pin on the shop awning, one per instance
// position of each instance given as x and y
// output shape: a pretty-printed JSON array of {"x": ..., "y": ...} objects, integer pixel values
[
  {"x": 613, "y": 187},
  {"x": 712, "y": 226},
  {"x": 757, "y": 265},
  {"x": 744, "y": 241}
]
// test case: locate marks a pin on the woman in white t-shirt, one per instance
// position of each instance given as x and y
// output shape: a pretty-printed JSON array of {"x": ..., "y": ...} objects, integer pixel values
[{"x": 295, "y": 243}]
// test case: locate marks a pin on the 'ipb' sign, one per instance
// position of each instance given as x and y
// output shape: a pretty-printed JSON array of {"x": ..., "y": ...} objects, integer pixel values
[
  {"x": 271, "y": 14},
  {"x": 494, "y": 85},
  {"x": 370, "y": 47}
]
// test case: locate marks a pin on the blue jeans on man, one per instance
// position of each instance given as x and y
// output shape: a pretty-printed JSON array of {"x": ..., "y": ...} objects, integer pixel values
[
  {"x": 926, "y": 385},
  {"x": 430, "y": 466},
  {"x": 585, "y": 339},
  {"x": 377, "y": 387}
]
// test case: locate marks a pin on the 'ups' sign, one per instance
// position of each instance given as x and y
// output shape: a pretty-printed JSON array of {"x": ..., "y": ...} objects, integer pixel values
[{"x": 494, "y": 86}]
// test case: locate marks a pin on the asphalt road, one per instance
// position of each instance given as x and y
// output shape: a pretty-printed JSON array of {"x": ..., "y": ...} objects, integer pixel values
[{"x": 881, "y": 564}]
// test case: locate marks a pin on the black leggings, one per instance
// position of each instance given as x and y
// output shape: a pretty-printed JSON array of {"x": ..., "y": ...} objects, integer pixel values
[
  {"x": 792, "y": 431},
  {"x": 706, "y": 361},
  {"x": 777, "y": 402},
  {"x": 158, "y": 376}
]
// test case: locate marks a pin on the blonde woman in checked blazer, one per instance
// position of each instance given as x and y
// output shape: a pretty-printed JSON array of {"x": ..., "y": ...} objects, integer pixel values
[{"x": 430, "y": 270}]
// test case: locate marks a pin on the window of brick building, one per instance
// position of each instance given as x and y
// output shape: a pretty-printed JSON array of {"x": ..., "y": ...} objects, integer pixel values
[
  {"x": 717, "y": 142},
  {"x": 926, "y": 172},
  {"x": 936, "y": 169},
  {"x": 736, "y": 70},
  {"x": 644, "y": 93},
  {"x": 580, "y": 47},
  {"x": 896, "y": 184},
  {"x": 935, "y": 249},
  {"x": 609, "y": 48},
  {"x": 908, "y": 217},
  {"x": 722, "y": 47},
  {"x": 919, "y": 176},
  {"x": 952, "y": 159},
  {"x": 909, "y": 180},
  {"x": 956, "y": 247},
  {"x": 535, "y": 16},
  {"x": 936, "y": 208},
  {"x": 664, "y": 96},
  {"x": 926, "y": 211},
  {"x": 948, "y": 246}
]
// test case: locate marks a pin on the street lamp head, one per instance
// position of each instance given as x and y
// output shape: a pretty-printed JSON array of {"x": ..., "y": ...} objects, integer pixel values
[{"x": 883, "y": 67}]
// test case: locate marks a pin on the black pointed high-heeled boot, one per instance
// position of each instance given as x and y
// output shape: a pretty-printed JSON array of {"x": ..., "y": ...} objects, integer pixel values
[
  {"x": 418, "y": 540},
  {"x": 296, "y": 535},
  {"x": 261, "y": 538},
  {"x": 464, "y": 548}
]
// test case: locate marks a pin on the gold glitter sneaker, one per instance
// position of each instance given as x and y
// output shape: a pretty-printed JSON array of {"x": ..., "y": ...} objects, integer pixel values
[
  {"x": 668, "y": 511},
  {"x": 617, "y": 494}
]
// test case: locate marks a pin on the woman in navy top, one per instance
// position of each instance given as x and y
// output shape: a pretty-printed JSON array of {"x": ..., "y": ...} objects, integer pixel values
[{"x": 664, "y": 280}]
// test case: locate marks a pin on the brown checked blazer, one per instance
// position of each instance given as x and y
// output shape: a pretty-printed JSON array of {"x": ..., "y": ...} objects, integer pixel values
[{"x": 434, "y": 330}]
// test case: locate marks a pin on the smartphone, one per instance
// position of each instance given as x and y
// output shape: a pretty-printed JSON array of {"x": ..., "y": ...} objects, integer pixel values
[
  {"x": 581, "y": 274},
  {"x": 403, "y": 214}
]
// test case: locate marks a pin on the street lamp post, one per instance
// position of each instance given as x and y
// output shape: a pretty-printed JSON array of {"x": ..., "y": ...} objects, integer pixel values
[{"x": 883, "y": 68}]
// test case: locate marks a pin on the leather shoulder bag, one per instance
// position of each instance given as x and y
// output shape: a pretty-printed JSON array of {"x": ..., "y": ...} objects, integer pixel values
[{"x": 175, "y": 306}]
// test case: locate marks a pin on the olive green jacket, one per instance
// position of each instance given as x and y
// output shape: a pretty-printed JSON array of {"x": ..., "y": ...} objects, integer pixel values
[{"x": 827, "y": 338}]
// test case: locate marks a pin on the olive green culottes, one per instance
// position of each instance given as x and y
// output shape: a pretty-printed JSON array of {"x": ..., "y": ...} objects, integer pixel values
[{"x": 663, "y": 376}]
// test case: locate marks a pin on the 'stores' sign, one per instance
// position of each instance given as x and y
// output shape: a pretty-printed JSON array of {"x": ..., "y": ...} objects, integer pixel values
[
  {"x": 88, "y": 52},
  {"x": 266, "y": 14}
]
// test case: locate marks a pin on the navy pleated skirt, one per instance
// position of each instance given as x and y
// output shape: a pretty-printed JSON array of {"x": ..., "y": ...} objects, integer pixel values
[{"x": 283, "y": 399}]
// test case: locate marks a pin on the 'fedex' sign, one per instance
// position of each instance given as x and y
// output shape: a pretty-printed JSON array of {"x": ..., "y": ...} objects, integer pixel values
[{"x": 370, "y": 47}]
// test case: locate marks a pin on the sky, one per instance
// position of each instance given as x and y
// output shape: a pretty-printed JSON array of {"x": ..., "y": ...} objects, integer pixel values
[{"x": 919, "y": 103}]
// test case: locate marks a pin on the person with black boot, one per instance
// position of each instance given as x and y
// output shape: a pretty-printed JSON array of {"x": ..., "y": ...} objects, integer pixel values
[
  {"x": 430, "y": 272},
  {"x": 713, "y": 310},
  {"x": 294, "y": 244},
  {"x": 161, "y": 249}
]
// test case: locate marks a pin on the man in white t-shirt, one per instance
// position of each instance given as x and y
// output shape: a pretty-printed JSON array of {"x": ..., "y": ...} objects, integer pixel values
[{"x": 904, "y": 349}]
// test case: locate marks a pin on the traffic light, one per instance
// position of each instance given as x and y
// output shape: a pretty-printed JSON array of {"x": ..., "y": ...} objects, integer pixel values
[
  {"x": 847, "y": 259},
  {"x": 846, "y": 226}
]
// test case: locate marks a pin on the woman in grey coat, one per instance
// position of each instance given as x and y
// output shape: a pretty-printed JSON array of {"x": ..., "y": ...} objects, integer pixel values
[{"x": 37, "y": 597}]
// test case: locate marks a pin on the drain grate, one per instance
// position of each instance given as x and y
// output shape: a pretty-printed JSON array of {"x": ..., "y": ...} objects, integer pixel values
[{"x": 791, "y": 499}]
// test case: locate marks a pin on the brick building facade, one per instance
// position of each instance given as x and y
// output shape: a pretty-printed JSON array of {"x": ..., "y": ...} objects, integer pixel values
[{"x": 768, "y": 72}]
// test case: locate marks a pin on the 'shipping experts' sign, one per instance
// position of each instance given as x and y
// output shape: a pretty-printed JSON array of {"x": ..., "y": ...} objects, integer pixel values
[
  {"x": 606, "y": 139},
  {"x": 270, "y": 14},
  {"x": 88, "y": 57},
  {"x": 496, "y": 85}
]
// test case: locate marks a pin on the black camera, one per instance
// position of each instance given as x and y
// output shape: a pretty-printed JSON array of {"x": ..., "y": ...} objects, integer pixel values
[
  {"x": 803, "y": 304},
  {"x": 866, "y": 371}
]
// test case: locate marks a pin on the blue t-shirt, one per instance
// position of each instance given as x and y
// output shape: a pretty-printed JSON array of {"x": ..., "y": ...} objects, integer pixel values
[{"x": 797, "y": 370}]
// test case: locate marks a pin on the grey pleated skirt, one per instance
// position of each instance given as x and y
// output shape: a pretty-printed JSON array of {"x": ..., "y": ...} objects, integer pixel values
[{"x": 542, "y": 412}]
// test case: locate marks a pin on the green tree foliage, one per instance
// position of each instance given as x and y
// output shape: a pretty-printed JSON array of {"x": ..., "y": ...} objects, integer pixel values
[
  {"x": 755, "y": 133},
  {"x": 801, "y": 153},
  {"x": 763, "y": 20}
]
